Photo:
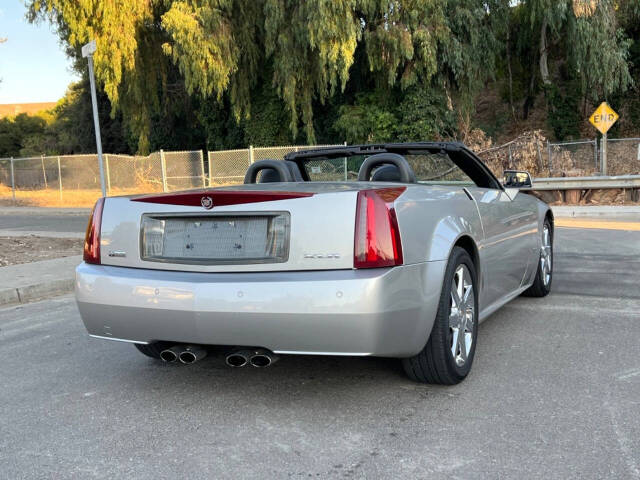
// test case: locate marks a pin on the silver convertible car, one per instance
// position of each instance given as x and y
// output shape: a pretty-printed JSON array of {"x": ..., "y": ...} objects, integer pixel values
[{"x": 394, "y": 250}]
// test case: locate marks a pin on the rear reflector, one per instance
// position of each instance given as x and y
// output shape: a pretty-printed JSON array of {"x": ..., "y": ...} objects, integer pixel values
[
  {"x": 219, "y": 198},
  {"x": 377, "y": 236},
  {"x": 92, "y": 238}
]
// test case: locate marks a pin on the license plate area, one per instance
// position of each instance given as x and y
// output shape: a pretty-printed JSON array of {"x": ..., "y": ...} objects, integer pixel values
[{"x": 216, "y": 239}]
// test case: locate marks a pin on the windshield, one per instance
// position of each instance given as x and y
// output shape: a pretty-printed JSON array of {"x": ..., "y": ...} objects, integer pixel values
[{"x": 432, "y": 168}]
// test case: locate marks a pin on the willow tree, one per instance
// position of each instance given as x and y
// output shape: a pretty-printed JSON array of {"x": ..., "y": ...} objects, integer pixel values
[
  {"x": 223, "y": 47},
  {"x": 220, "y": 45},
  {"x": 129, "y": 63},
  {"x": 589, "y": 37},
  {"x": 600, "y": 50}
]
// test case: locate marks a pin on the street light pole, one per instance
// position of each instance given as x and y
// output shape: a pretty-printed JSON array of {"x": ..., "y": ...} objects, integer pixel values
[{"x": 88, "y": 51}]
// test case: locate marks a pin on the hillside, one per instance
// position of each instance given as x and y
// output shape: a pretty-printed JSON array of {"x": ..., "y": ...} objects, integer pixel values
[
  {"x": 493, "y": 116},
  {"x": 13, "y": 109}
]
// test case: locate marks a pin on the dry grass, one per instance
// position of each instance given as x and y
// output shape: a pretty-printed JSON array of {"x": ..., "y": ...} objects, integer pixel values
[
  {"x": 70, "y": 198},
  {"x": 523, "y": 153}
]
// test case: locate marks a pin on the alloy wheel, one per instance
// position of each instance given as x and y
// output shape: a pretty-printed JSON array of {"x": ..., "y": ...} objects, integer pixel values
[
  {"x": 546, "y": 257},
  {"x": 462, "y": 315}
]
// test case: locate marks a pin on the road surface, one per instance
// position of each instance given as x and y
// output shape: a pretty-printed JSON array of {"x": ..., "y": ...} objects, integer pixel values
[
  {"x": 554, "y": 393},
  {"x": 57, "y": 222}
]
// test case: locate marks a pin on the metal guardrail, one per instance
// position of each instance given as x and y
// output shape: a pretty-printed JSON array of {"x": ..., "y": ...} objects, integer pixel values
[{"x": 586, "y": 183}]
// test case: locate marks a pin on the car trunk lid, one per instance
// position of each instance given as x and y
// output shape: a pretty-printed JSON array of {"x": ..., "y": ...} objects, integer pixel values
[{"x": 281, "y": 227}]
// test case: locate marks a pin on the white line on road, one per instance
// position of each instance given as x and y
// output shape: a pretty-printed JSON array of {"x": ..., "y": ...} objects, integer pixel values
[
  {"x": 623, "y": 442},
  {"x": 629, "y": 374}
]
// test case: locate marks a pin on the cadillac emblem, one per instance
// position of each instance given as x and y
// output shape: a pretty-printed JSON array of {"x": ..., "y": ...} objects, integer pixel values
[{"x": 206, "y": 202}]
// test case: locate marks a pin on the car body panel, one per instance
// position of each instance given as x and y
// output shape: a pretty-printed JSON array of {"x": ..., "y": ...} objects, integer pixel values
[
  {"x": 382, "y": 311},
  {"x": 314, "y": 302},
  {"x": 509, "y": 244},
  {"x": 311, "y": 218}
]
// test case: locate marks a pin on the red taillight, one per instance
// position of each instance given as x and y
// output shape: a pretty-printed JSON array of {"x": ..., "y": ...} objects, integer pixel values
[
  {"x": 92, "y": 238},
  {"x": 377, "y": 239}
]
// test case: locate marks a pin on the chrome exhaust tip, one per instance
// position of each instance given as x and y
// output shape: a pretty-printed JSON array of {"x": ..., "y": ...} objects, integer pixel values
[
  {"x": 237, "y": 359},
  {"x": 192, "y": 354},
  {"x": 262, "y": 358},
  {"x": 170, "y": 355}
]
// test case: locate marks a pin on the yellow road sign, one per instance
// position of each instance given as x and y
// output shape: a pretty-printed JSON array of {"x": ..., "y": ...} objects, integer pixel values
[{"x": 604, "y": 117}]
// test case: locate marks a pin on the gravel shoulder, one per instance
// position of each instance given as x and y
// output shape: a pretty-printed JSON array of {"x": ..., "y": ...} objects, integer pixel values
[{"x": 18, "y": 250}]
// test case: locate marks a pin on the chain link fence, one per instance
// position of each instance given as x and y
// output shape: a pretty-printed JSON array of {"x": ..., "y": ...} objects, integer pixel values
[
  {"x": 526, "y": 152},
  {"x": 576, "y": 158},
  {"x": 623, "y": 156},
  {"x": 75, "y": 179},
  {"x": 573, "y": 159},
  {"x": 228, "y": 167},
  {"x": 583, "y": 158}
]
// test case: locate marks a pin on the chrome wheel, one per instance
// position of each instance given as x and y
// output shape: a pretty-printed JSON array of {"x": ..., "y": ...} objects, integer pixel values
[
  {"x": 462, "y": 315},
  {"x": 546, "y": 256}
]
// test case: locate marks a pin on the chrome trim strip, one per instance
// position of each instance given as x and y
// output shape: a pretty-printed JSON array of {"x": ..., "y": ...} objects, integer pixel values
[
  {"x": 118, "y": 339},
  {"x": 333, "y": 354}
]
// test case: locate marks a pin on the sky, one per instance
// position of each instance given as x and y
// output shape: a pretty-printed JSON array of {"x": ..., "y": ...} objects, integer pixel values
[{"x": 33, "y": 66}]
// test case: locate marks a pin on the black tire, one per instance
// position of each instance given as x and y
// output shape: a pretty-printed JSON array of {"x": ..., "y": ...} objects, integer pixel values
[
  {"x": 153, "y": 349},
  {"x": 540, "y": 288},
  {"x": 436, "y": 363}
]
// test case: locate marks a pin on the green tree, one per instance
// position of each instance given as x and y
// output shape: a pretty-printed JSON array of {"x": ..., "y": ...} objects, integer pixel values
[
  {"x": 15, "y": 131},
  {"x": 73, "y": 128},
  {"x": 224, "y": 73},
  {"x": 129, "y": 63},
  {"x": 599, "y": 52},
  {"x": 370, "y": 119},
  {"x": 222, "y": 47},
  {"x": 575, "y": 51}
]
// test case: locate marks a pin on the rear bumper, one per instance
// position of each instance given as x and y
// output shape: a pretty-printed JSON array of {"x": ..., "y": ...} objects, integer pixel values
[{"x": 383, "y": 312}]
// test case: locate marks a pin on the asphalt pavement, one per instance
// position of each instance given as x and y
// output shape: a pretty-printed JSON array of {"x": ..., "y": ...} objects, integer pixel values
[
  {"x": 554, "y": 393},
  {"x": 53, "y": 222}
]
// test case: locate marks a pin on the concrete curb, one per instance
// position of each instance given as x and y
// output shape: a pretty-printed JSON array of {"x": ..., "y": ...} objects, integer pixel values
[
  {"x": 39, "y": 291},
  {"x": 9, "y": 296},
  {"x": 37, "y": 280}
]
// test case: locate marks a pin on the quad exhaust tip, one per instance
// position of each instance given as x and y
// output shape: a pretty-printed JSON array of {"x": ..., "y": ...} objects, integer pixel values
[
  {"x": 258, "y": 358},
  {"x": 170, "y": 355},
  {"x": 237, "y": 359},
  {"x": 192, "y": 354},
  {"x": 261, "y": 360},
  {"x": 187, "y": 354}
]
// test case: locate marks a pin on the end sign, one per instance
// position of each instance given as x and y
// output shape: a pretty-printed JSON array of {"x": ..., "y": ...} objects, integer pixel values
[{"x": 603, "y": 118}]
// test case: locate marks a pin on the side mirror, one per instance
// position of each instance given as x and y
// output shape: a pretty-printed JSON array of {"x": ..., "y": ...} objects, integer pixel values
[{"x": 517, "y": 179}]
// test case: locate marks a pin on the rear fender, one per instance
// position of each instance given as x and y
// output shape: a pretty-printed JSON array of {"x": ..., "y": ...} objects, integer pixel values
[{"x": 429, "y": 227}]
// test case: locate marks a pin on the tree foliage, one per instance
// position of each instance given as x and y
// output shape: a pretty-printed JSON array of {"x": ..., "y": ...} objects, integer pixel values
[
  {"x": 226, "y": 73},
  {"x": 14, "y": 133}
]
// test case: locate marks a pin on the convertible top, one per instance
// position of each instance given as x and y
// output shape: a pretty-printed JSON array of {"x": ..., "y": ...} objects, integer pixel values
[{"x": 458, "y": 152}]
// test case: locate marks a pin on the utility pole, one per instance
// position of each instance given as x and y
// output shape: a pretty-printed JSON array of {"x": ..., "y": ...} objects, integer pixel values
[{"x": 87, "y": 51}]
